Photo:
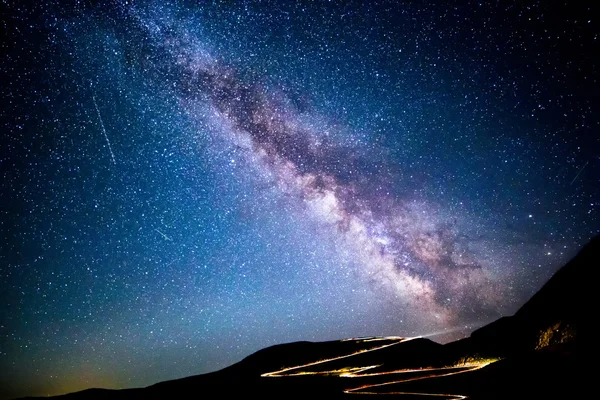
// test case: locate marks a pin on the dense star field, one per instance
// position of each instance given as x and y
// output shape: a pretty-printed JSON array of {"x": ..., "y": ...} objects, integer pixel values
[{"x": 186, "y": 183}]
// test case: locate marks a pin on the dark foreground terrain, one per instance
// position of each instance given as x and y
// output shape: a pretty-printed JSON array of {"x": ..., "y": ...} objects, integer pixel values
[{"x": 543, "y": 351}]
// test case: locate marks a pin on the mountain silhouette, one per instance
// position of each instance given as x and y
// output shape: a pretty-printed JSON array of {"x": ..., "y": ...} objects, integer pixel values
[{"x": 540, "y": 352}]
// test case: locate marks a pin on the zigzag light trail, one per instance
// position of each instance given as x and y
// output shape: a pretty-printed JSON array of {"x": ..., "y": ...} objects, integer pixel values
[
  {"x": 357, "y": 372},
  {"x": 283, "y": 372}
]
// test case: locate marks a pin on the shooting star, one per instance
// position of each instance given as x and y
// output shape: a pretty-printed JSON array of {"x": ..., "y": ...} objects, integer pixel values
[
  {"x": 582, "y": 168},
  {"x": 104, "y": 131},
  {"x": 163, "y": 235}
]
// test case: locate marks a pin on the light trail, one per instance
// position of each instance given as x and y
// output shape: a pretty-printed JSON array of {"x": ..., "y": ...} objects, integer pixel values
[
  {"x": 377, "y": 338},
  {"x": 284, "y": 371},
  {"x": 454, "y": 371},
  {"x": 104, "y": 130},
  {"x": 357, "y": 372},
  {"x": 446, "y": 396}
]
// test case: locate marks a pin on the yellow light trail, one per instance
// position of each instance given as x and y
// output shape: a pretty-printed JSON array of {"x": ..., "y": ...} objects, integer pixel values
[
  {"x": 356, "y": 372},
  {"x": 284, "y": 371},
  {"x": 377, "y": 338},
  {"x": 456, "y": 370}
]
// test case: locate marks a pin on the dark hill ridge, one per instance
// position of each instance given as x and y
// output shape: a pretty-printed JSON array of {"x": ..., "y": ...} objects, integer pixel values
[
  {"x": 538, "y": 352},
  {"x": 561, "y": 311},
  {"x": 568, "y": 296}
]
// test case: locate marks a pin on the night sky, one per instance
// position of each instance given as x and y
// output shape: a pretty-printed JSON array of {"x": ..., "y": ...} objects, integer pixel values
[{"x": 183, "y": 184}]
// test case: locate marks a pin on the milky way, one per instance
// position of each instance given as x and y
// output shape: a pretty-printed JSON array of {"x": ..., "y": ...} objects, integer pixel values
[
  {"x": 396, "y": 241},
  {"x": 186, "y": 184}
]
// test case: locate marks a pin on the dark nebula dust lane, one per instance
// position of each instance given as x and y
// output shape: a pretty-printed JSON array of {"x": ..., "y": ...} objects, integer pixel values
[{"x": 184, "y": 184}]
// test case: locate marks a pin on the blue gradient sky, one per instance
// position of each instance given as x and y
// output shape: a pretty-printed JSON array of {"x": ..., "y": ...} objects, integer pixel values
[{"x": 186, "y": 183}]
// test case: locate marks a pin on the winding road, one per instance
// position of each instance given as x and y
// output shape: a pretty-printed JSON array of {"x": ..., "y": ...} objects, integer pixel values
[{"x": 390, "y": 379}]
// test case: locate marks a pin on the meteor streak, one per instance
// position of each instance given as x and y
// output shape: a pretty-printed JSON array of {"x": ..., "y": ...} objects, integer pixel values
[
  {"x": 578, "y": 173},
  {"x": 104, "y": 130},
  {"x": 163, "y": 235}
]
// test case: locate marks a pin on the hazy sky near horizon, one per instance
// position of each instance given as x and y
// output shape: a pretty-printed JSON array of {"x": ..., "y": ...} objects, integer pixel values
[{"x": 184, "y": 183}]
